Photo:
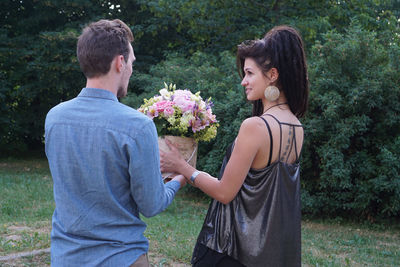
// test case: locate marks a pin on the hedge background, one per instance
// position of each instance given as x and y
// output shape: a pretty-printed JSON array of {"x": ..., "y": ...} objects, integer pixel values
[{"x": 351, "y": 156}]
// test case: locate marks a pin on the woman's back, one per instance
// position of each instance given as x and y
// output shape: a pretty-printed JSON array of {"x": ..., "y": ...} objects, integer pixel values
[
  {"x": 261, "y": 226},
  {"x": 282, "y": 139}
]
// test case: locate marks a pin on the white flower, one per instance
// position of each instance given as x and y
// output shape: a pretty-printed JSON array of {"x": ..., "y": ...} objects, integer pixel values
[
  {"x": 202, "y": 105},
  {"x": 164, "y": 93},
  {"x": 158, "y": 99}
]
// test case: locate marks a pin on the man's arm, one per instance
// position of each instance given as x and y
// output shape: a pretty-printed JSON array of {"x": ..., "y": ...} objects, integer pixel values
[{"x": 147, "y": 188}]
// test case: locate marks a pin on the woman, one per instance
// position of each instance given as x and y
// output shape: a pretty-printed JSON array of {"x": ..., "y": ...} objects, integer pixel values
[{"x": 254, "y": 217}]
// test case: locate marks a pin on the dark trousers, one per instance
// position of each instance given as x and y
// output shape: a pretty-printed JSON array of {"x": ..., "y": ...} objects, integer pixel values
[{"x": 206, "y": 257}]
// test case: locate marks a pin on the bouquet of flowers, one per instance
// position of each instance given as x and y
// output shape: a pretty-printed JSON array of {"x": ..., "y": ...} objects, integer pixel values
[{"x": 181, "y": 113}]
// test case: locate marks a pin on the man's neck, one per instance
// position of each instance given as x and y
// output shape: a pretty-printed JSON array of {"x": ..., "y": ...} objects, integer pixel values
[{"x": 103, "y": 82}]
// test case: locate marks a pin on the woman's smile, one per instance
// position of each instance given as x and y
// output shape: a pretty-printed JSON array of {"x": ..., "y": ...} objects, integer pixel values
[{"x": 254, "y": 81}]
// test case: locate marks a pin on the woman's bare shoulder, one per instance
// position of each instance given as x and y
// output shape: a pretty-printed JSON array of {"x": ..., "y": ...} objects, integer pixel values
[
  {"x": 252, "y": 127},
  {"x": 252, "y": 123}
]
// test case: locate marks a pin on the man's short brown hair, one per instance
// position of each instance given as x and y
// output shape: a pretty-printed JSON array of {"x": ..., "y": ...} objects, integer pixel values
[{"x": 99, "y": 43}]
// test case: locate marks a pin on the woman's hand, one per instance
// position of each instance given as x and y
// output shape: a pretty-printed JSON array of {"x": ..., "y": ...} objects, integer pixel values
[{"x": 171, "y": 161}]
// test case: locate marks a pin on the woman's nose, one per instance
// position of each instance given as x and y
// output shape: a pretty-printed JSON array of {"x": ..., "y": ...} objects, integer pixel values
[{"x": 244, "y": 82}]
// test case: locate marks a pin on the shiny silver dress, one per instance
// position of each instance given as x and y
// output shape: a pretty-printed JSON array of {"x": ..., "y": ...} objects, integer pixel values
[{"x": 261, "y": 226}]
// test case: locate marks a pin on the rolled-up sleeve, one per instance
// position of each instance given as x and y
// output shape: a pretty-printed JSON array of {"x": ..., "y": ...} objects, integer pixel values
[{"x": 151, "y": 195}]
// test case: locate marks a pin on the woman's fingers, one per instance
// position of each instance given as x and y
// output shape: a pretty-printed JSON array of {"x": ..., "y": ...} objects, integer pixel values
[{"x": 171, "y": 146}]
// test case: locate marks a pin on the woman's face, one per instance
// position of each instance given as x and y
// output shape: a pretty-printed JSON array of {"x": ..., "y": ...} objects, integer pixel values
[{"x": 254, "y": 81}]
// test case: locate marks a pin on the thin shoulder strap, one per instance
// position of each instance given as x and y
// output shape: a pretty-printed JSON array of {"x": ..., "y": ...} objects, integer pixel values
[
  {"x": 280, "y": 132},
  {"x": 270, "y": 138},
  {"x": 295, "y": 144}
]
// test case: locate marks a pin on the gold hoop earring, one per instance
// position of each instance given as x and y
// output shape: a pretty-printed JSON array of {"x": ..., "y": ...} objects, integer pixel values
[{"x": 271, "y": 93}]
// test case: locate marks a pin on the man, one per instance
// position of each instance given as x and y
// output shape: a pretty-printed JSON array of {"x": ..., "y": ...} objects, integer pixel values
[{"x": 104, "y": 160}]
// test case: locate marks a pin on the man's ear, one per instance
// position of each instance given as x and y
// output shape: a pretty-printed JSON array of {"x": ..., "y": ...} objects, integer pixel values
[{"x": 119, "y": 63}]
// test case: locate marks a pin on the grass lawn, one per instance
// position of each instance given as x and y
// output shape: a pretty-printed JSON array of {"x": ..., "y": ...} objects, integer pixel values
[{"x": 26, "y": 206}]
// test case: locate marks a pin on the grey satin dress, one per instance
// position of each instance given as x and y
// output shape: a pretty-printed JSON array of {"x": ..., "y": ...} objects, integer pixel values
[{"x": 261, "y": 226}]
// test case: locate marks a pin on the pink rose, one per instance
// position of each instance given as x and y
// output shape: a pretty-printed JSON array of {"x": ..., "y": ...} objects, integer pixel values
[
  {"x": 160, "y": 106},
  {"x": 169, "y": 111},
  {"x": 184, "y": 104}
]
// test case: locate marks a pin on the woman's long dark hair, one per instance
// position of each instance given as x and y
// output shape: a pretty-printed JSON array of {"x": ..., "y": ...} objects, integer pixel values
[{"x": 281, "y": 48}]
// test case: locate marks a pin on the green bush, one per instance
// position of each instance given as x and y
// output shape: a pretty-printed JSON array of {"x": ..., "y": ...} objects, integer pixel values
[
  {"x": 40, "y": 77},
  {"x": 351, "y": 162}
]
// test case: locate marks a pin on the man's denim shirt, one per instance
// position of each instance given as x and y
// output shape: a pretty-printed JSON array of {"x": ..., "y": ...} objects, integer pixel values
[{"x": 104, "y": 160}]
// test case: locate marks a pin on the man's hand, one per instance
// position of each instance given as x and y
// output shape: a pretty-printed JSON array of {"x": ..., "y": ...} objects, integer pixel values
[{"x": 181, "y": 179}]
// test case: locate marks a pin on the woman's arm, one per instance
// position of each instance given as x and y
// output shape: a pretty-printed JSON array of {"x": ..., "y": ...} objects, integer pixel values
[{"x": 245, "y": 150}]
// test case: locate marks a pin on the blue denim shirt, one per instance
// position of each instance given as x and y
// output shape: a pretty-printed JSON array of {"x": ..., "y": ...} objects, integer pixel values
[{"x": 104, "y": 160}]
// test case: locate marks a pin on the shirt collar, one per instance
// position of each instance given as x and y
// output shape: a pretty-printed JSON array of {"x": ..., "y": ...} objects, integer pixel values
[{"x": 97, "y": 93}]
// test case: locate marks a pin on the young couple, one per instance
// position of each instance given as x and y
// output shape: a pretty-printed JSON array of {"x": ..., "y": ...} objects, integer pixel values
[{"x": 105, "y": 162}]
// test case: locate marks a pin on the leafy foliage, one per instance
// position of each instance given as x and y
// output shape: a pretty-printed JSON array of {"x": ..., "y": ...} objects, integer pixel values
[
  {"x": 35, "y": 82},
  {"x": 351, "y": 152},
  {"x": 351, "y": 157}
]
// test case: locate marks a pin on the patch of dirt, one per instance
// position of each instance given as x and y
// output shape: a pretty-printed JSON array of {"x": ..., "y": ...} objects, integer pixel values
[
  {"x": 316, "y": 226},
  {"x": 12, "y": 240},
  {"x": 40, "y": 227},
  {"x": 24, "y": 165},
  {"x": 41, "y": 257},
  {"x": 32, "y": 258},
  {"x": 17, "y": 228},
  {"x": 386, "y": 244}
]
